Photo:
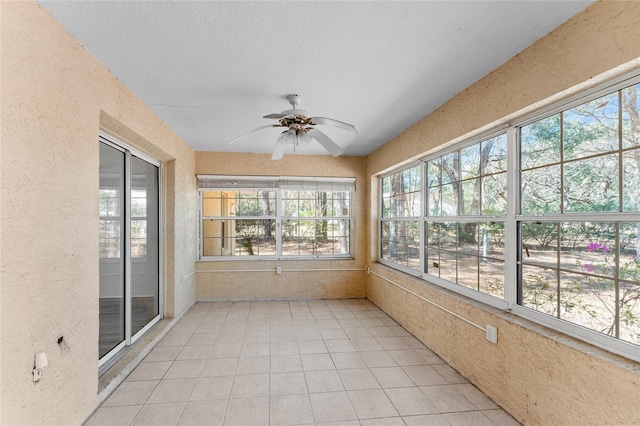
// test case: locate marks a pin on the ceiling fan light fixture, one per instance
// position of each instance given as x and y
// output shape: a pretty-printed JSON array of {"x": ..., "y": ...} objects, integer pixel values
[
  {"x": 288, "y": 137},
  {"x": 303, "y": 139}
]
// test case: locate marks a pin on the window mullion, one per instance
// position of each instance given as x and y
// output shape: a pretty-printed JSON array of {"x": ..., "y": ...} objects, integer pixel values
[
  {"x": 423, "y": 214},
  {"x": 279, "y": 210},
  {"x": 511, "y": 245},
  {"x": 127, "y": 249}
]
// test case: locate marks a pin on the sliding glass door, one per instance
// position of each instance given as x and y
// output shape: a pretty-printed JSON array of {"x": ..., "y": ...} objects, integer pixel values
[{"x": 130, "y": 297}]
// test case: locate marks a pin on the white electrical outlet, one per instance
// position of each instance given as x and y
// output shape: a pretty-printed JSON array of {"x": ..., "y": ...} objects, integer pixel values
[
  {"x": 492, "y": 333},
  {"x": 278, "y": 270}
]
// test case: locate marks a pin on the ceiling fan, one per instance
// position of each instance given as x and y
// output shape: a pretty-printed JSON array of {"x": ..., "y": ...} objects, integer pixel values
[{"x": 300, "y": 130}]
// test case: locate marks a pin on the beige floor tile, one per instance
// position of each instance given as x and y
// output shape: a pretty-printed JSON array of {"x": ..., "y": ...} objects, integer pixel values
[
  {"x": 424, "y": 375},
  {"x": 159, "y": 414},
  {"x": 303, "y": 362},
  {"x": 388, "y": 321},
  {"x": 372, "y": 322},
  {"x": 339, "y": 345},
  {"x": 475, "y": 418},
  {"x": 285, "y": 364},
  {"x": 371, "y": 403},
  {"x": 407, "y": 357},
  {"x": 257, "y": 336},
  {"x": 185, "y": 369},
  {"x": 347, "y": 360},
  {"x": 248, "y": 412},
  {"x": 219, "y": 367},
  {"x": 174, "y": 340},
  {"x": 450, "y": 375},
  {"x": 322, "y": 315},
  {"x": 429, "y": 356},
  {"x": 198, "y": 413},
  {"x": 501, "y": 417},
  {"x": 343, "y": 315},
  {"x": 476, "y": 397},
  {"x": 230, "y": 336},
  {"x": 305, "y": 324},
  {"x": 284, "y": 348},
  {"x": 203, "y": 338},
  {"x": 446, "y": 398},
  {"x": 317, "y": 362},
  {"x": 392, "y": 343},
  {"x": 194, "y": 352},
  {"x": 333, "y": 333},
  {"x": 131, "y": 393},
  {"x": 172, "y": 390},
  {"x": 392, "y": 377},
  {"x": 250, "y": 386},
  {"x": 366, "y": 344},
  {"x": 410, "y": 401},
  {"x": 298, "y": 316},
  {"x": 308, "y": 334},
  {"x": 382, "y": 332},
  {"x": 357, "y": 332},
  {"x": 224, "y": 349},
  {"x": 163, "y": 353},
  {"x": 257, "y": 365},
  {"x": 386, "y": 421},
  {"x": 312, "y": 347},
  {"x": 149, "y": 371},
  {"x": 253, "y": 349},
  {"x": 287, "y": 383},
  {"x": 413, "y": 342},
  {"x": 332, "y": 407},
  {"x": 378, "y": 359},
  {"x": 359, "y": 378},
  {"x": 427, "y": 420},
  {"x": 323, "y": 381},
  {"x": 288, "y": 410},
  {"x": 283, "y": 335},
  {"x": 207, "y": 388},
  {"x": 350, "y": 323},
  {"x": 184, "y": 328},
  {"x": 114, "y": 416},
  {"x": 208, "y": 327}
]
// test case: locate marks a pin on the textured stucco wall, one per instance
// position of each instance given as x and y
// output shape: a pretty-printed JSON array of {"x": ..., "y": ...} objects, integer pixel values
[
  {"x": 288, "y": 285},
  {"x": 539, "y": 376},
  {"x": 55, "y": 98}
]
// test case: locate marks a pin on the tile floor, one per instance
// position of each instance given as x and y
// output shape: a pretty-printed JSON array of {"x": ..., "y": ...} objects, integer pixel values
[{"x": 340, "y": 362}]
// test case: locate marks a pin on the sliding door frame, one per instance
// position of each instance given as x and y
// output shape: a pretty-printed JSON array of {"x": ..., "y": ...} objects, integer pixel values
[{"x": 118, "y": 351}]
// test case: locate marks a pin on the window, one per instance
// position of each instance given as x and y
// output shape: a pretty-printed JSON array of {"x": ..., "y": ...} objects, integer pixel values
[
  {"x": 579, "y": 228},
  {"x": 542, "y": 218},
  {"x": 466, "y": 209},
  {"x": 272, "y": 217},
  {"x": 400, "y": 225}
]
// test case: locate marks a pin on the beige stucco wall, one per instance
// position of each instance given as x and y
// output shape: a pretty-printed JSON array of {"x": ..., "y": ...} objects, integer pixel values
[
  {"x": 539, "y": 376},
  {"x": 55, "y": 98},
  {"x": 289, "y": 284}
]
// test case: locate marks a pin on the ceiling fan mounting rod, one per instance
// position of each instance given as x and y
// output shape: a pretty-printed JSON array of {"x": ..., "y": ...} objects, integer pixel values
[{"x": 294, "y": 100}]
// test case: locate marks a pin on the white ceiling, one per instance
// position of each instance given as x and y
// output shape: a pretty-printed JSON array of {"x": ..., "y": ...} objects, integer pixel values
[{"x": 212, "y": 69}]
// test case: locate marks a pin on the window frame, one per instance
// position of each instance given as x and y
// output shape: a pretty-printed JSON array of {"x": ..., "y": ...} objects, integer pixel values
[
  {"x": 514, "y": 218},
  {"x": 277, "y": 185},
  {"x": 417, "y": 218}
]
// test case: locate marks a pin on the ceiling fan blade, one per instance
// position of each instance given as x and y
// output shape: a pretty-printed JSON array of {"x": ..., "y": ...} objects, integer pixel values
[
  {"x": 277, "y": 116},
  {"x": 278, "y": 151},
  {"x": 335, "y": 123},
  {"x": 249, "y": 132},
  {"x": 326, "y": 142}
]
